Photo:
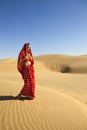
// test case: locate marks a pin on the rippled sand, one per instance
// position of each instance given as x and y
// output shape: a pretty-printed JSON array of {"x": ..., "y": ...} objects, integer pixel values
[{"x": 61, "y": 98}]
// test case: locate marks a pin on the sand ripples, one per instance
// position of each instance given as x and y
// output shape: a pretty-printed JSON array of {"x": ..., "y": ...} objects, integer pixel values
[{"x": 50, "y": 110}]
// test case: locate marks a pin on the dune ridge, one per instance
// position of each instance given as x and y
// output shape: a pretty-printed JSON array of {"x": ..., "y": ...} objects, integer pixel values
[{"x": 60, "y": 102}]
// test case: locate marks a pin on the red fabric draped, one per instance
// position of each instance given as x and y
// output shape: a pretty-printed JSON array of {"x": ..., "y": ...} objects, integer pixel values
[{"x": 27, "y": 73}]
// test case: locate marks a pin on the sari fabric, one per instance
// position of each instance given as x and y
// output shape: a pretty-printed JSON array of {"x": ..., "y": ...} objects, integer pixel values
[{"x": 27, "y": 73}]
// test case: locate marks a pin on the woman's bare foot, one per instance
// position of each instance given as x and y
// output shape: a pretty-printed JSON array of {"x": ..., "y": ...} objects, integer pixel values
[{"x": 18, "y": 96}]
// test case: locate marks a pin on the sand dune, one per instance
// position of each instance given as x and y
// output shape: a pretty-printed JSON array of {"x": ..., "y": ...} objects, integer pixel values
[
  {"x": 61, "y": 99},
  {"x": 78, "y": 64}
]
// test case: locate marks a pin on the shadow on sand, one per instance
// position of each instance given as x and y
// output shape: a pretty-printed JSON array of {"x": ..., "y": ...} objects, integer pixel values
[{"x": 4, "y": 98}]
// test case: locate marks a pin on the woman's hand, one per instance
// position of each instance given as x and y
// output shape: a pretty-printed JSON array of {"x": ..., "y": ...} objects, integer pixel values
[{"x": 25, "y": 58}]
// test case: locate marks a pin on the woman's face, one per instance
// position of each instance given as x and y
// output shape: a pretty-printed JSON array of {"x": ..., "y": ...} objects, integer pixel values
[{"x": 27, "y": 48}]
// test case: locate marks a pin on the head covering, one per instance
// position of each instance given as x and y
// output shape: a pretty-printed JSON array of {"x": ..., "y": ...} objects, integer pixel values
[{"x": 23, "y": 51}]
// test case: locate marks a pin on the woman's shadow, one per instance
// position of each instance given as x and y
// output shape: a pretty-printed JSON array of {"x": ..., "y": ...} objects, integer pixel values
[{"x": 9, "y": 97}]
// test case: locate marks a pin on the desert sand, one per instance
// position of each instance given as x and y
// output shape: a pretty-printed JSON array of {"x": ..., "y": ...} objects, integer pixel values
[{"x": 61, "y": 98}]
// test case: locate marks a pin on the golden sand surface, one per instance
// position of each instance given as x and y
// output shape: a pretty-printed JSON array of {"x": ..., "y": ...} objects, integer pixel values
[{"x": 61, "y": 98}]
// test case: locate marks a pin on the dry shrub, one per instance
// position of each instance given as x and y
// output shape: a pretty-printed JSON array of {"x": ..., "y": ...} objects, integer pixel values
[{"x": 64, "y": 69}]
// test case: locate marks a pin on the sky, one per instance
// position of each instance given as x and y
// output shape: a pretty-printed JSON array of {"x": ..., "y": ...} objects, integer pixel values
[{"x": 51, "y": 27}]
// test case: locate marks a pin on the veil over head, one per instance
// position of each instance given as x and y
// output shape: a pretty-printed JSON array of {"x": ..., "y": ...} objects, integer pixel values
[{"x": 23, "y": 51}]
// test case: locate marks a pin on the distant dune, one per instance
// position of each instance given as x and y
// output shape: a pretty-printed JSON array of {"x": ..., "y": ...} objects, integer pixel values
[
  {"x": 77, "y": 64},
  {"x": 61, "y": 99}
]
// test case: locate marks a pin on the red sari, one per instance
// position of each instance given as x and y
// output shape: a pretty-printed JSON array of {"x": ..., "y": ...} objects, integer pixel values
[{"x": 27, "y": 73}]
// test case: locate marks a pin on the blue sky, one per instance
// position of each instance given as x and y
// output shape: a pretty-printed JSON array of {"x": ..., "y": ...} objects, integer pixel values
[{"x": 51, "y": 26}]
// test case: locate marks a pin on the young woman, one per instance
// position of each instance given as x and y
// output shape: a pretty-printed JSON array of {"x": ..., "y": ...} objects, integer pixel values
[{"x": 26, "y": 68}]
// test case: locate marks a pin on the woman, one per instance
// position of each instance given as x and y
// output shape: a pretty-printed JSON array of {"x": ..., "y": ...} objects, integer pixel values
[{"x": 26, "y": 68}]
